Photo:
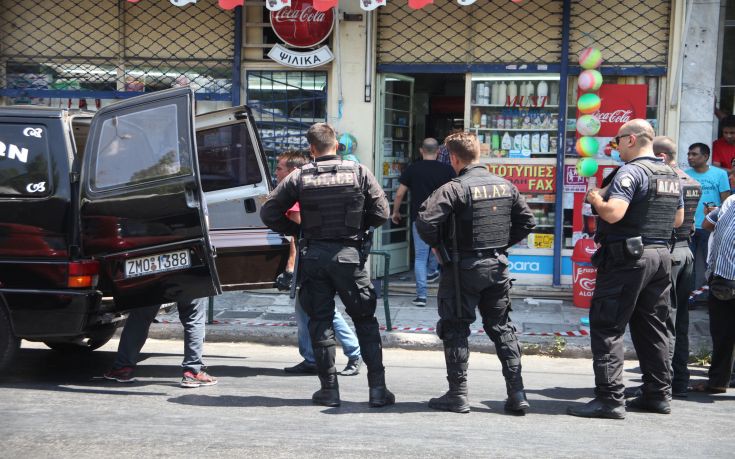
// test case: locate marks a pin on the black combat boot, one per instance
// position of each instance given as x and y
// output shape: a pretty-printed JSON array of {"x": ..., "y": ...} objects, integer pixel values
[
  {"x": 598, "y": 408},
  {"x": 328, "y": 395},
  {"x": 371, "y": 348},
  {"x": 455, "y": 399},
  {"x": 379, "y": 393}
]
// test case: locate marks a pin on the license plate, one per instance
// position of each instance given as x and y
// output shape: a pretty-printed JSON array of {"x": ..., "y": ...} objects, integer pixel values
[{"x": 157, "y": 263}]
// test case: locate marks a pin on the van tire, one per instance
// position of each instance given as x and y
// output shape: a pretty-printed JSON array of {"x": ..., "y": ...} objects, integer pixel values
[{"x": 9, "y": 343}]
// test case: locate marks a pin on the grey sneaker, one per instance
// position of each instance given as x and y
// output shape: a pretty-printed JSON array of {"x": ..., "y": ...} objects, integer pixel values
[{"x": 352, "y": 368}]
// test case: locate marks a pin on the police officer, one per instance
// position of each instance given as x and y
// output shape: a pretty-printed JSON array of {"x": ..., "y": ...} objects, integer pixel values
[
  {"x": 682, "y": 269},
  {"x": 637, "y": 214},
  {"x": 339, "y": 200},
  {"x": 489, "y": 216}
]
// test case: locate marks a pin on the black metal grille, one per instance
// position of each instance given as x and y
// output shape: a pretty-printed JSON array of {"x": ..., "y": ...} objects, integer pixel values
[
  {"x": 114, "y": 46},
  {"x": 629, "y": 32},
  {"x": 492, "y": 31},
  {"x": 285, "y": 104}
]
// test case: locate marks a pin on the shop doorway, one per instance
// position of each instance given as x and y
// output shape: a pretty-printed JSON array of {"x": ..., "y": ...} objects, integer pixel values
[{"x": 410, "y": 108}]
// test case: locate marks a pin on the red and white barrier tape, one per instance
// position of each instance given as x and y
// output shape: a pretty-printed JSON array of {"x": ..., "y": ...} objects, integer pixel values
[
  {"x": 571, "y": 333},
  {"x": 696, "y": 293}
]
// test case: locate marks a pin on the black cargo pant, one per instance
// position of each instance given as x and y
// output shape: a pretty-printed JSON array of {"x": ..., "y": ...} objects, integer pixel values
[
  {"x": 485, "y": 284},
  {"x": 722, "y": 329},
  {"x": 328, "y": 268},
  {"x": 635, "y": 292},
  {"x": 682, "y": 284}
]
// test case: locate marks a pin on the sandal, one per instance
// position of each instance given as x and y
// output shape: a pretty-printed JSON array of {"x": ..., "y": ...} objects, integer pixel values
[{"x": 705, "y": 388}]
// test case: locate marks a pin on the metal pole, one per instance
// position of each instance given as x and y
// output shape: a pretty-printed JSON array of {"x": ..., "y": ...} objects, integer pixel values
[
  {"x": 386, "y": 271},
  {"x": 237, "y": 58},
  {"x": 210, "y": 311},
  {"x": 560, "y": 149}
]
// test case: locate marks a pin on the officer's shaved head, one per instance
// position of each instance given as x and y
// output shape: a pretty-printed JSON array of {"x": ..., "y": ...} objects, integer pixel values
[
  {"x": 666, "y": 146},
  {"x": 322, "y": 137},
  {"x": 464, "y": 146},
  {"x": 641, "y": 129},
  {"x": 430, "y": 145}
]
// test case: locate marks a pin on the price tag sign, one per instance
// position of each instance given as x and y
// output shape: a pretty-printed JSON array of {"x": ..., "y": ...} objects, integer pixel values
[{"x": 542, "y": 241}]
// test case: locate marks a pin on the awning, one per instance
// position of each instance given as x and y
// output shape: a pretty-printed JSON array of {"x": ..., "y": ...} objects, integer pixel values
[{"x": 319, "y": 5}]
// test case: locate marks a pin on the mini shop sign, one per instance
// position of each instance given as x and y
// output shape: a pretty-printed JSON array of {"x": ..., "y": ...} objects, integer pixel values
[
  {"x": 303, "y": 60},
  {"x": 300, "y": 25}
]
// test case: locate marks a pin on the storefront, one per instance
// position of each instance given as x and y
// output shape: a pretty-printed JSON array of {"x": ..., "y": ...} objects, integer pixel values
[
  {"x": 519, "y": 97},
  {"x": 504, "y": 70}
]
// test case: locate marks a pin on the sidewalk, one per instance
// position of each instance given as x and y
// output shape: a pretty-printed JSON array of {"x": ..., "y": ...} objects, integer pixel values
[{"x": 545, "y": 325}]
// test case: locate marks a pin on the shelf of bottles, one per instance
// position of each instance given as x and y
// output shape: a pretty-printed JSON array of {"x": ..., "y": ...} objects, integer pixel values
[{"x": 514, "y": 116}]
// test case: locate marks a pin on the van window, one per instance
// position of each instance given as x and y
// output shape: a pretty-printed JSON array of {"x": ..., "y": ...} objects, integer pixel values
[
  {"x": 138, "y": 147},
  {"x": 227, "y": 158},
  {"x": 24, "y": 160}
]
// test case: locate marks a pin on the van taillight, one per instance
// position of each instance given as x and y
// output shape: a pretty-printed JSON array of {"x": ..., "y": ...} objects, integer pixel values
[{"x": 83, "y": 273}]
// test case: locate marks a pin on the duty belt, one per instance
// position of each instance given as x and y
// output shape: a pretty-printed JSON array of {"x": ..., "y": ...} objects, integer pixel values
[
  {"x": 486, "y": 253},
  {"x": 342, "y": 242}
]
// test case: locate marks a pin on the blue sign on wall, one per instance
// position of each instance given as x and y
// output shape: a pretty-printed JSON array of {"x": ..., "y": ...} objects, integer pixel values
[{"x": 538, "y": 264}]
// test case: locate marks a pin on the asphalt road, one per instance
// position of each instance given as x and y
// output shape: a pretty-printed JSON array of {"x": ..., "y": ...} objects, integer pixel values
[{"x": 52, "y": 406}]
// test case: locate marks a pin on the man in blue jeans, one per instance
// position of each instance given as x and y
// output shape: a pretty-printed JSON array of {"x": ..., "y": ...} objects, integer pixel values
[
  {"x": 421, "y": 179},
  {"x": 287, "y": 162},
  {"x": 715, "y": 189},
  {"x": 135, "y": 334}
]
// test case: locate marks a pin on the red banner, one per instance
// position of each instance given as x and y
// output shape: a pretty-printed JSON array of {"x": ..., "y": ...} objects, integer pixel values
[
  {"x": 528, "y": 178},
  {"x": 620, "y": 104}
]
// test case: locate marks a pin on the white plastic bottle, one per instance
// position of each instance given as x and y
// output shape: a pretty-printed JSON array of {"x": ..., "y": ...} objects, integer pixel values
[
  {"x": 530, "y": 89},
  {"x": 543, "y": 89},
  {"x": 486, "y": 94},
  {"x": 544, "y": 144},
  {"x": 502, "y": 93},
  {"x": 506, "y": 143},
  {"x": 494, "y": 94},
  {"x": 512, "y": 91}
]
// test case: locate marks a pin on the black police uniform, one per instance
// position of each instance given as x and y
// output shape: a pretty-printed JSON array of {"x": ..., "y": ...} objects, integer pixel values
[
  {"x": 682, "y": 284},
  {"x": 632, "y": 287},
  {"x": 490, "y": 216},
  {"x": 339, "y": 200}
]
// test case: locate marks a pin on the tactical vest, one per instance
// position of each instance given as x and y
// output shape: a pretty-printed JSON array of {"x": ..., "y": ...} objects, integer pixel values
[
  {"x": 651, "y": 217},
  {"x": 692, "y": 191},
  {"x": 331, "y": 200},
  {"x": 485, "y": 222}
]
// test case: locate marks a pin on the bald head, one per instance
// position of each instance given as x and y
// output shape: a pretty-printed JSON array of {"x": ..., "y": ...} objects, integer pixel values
[
  {"x": 641, "y": 129},
  {"x": 429, "y": 148},
  {"x": 663, "y": 145}
]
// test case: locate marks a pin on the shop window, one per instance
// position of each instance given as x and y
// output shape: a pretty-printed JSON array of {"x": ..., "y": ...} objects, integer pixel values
[
  {"x": 285, "y": 104},
  {"x": 109, "y": 46},
  {"x": 24, "y": 166}
]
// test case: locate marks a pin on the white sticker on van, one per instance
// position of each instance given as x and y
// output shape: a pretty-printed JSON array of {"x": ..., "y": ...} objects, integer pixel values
[
  {"x": 14, "y": 152},
  {"x": 33, "y": 132},
  {"x": 39, "y": 187}
]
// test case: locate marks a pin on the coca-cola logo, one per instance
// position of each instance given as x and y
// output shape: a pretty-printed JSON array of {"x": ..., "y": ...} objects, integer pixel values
[
  {"x": 302, "y": 26},
  {"x": 617, "y": 116}
]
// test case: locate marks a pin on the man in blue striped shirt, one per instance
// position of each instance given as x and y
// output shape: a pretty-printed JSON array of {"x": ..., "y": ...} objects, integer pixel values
[{"x": 721, "y": 311}]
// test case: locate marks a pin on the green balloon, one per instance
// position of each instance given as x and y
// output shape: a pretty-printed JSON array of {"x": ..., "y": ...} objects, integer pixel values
[{"x": 587, "y": 167}]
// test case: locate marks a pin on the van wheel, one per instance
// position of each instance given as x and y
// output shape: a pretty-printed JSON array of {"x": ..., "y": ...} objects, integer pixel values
[
  {"x": 97, "y": 339},
  {"x": 9, "y": 343}
]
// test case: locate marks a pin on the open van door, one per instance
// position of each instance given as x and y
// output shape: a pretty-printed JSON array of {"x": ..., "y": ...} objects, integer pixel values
[
  {"x": 141, "y": 205},
  {"x": 236, "y": 182}
]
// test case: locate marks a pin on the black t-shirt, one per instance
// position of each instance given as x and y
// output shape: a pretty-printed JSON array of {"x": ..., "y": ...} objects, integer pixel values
[{"x": 422, "y": 178}]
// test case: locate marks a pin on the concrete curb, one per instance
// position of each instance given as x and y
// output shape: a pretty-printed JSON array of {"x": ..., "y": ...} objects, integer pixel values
[{"x": 568, "y": 347}]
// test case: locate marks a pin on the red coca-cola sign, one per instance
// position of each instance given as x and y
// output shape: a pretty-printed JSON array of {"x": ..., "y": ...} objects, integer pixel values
[
  {"x": 620, "y": 104},
  {"x": 302, "y": 26}
]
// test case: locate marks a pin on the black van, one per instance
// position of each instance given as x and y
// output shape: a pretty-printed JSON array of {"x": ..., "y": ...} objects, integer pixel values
[{"x": 101, "y": 213}]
